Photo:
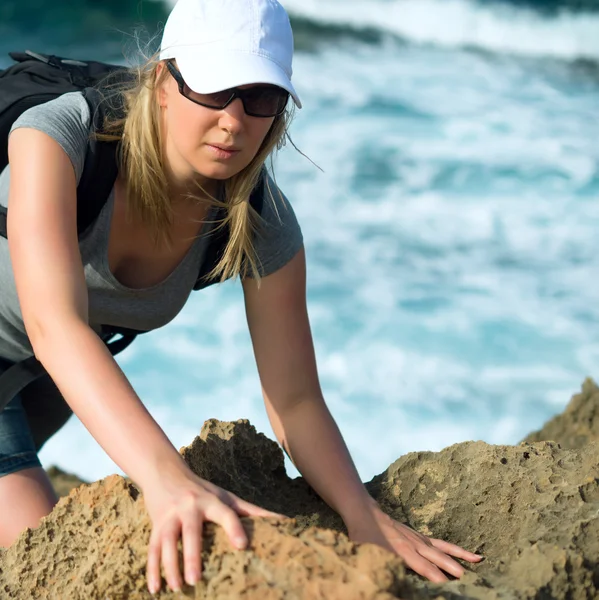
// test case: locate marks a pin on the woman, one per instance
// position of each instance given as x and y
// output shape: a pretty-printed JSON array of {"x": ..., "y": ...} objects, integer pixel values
[{"x": 187, "y": 146}]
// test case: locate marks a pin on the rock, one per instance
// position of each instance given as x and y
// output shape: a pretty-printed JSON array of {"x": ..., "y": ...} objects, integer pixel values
[
  {"x": 63, "y": 482},
  {"x": 93, "y": 544},
  {"x": 578, "y": 424},
  {"x": 90, "y": 546},
  {"x": 530, "y": 509},
  {"x": 237, "y": 458}
]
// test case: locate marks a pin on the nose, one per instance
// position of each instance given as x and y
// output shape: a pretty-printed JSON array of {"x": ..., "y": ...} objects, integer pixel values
[{"x": 232, "y": 117}]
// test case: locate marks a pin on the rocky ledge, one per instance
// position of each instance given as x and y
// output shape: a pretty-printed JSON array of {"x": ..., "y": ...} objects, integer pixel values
[{"x": 530, "y": 509}]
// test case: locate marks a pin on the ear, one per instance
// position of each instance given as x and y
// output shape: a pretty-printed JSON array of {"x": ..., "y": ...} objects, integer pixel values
[{"x": 161, "y": 84}]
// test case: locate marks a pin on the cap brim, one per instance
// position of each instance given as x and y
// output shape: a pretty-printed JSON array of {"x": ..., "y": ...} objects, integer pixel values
[{"x": 206, "y": 74}]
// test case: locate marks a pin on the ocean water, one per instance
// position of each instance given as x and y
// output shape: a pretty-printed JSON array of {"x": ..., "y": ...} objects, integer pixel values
[{"x": 451, "y": 236}]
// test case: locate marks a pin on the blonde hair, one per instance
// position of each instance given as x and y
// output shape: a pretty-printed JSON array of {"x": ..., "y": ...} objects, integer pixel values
[{"x": 134, "y": 122}]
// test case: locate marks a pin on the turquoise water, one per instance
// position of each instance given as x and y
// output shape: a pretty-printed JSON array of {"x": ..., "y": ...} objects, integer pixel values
[{"x": 452, "y": 244}]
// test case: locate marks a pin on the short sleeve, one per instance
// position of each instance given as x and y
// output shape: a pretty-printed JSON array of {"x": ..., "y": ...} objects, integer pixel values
[
  {"x": 279, "y": 236},
  {"x": 66, "y": 119}
]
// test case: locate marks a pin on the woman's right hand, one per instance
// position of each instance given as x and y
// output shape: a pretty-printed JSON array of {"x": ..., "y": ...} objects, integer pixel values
[{"x": 178, "y": 509}]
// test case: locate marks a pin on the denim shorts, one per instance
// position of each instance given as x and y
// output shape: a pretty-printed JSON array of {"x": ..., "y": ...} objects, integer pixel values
[{"x": 28, "y": 421}]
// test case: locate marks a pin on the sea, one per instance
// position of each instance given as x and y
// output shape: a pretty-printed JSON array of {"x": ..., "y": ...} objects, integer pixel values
[{"x": 446, "y": 179}]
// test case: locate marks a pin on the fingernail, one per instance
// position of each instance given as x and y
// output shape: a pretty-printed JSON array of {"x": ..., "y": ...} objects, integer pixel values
[
  {"x": 192, "y": 579},
  {"x": 240, "y": 543}
]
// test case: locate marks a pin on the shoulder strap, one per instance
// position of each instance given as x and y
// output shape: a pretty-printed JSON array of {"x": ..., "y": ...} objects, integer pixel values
[
  {"x": 100, "y": 170},
  {"x": 21, "y": 374},
  {"x": 219, "y": 238}
]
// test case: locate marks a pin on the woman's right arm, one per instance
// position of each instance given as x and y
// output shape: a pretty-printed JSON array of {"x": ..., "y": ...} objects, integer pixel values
[
  {"x": 49, "y": 276},
  {"x": 50, "y": 282}
]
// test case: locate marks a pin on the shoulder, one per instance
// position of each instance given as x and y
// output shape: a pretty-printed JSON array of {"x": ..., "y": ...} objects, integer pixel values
[
  {"x": 66, "y": 119},
  {"x": 279, "y": 236},
  {"x": 277, "y": 210},
  {"x": 71, "y": 106}
]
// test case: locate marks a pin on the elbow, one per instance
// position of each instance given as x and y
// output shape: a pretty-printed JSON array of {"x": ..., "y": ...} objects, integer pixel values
[
  {"x": 46, "y": 333},
  {"x": 48, "y": 324}
]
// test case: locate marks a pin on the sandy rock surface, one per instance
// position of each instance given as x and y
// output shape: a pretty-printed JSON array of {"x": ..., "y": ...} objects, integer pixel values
[
  {"x": 532, "y": 510},
  {"x": 578, "y": 424}
]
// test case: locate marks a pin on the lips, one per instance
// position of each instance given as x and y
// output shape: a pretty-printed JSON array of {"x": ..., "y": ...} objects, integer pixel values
[{"x": 227, "y": 148}]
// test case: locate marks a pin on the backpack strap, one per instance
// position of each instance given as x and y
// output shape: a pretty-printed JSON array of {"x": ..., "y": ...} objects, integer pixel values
[
  {"x": 216, "y": 247},
  {"x": 100, "y": 170},
  {"x": 17, "y": 376},
  {"x": 21, "y": 374}
]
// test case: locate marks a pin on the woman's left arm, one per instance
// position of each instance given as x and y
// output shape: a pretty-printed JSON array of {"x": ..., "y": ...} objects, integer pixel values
[
  {"x": 278, "y": 322},
  {"x": 280, "y": 330}
]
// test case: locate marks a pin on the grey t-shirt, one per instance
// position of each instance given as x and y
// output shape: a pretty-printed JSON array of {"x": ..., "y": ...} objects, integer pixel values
[{"x": 66, "y": 120}]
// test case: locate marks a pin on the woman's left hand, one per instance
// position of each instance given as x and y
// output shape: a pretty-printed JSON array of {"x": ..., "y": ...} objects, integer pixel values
[{"x": 426, "y": 556}]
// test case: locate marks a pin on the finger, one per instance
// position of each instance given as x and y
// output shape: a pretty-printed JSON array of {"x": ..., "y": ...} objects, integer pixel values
[
  {"x": 170, "y": 555},
  {"x": 455, "y": 550},
  {"x": 247, "y": 509},
  {"x": 153, "y": 563},
  {"x": 441, "y": 560},
  {"x": 422, "y": 566},
  {"x": 192, "y": 548},
  {"x": 226, "y": 517}
]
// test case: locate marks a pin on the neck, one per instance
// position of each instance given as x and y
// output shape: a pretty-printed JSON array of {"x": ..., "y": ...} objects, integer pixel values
[{"x": 180, "y": 191}]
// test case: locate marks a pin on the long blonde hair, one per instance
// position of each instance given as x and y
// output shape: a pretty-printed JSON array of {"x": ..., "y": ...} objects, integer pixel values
[{"x": 135, "y": 123}]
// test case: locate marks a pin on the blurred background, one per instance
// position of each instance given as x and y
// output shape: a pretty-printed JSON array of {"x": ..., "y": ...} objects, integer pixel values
[{"x": 452, "y": 239}]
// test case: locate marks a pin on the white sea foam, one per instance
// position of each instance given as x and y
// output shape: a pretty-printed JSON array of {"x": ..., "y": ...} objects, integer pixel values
[
  {"x": 461, "y": 23},
  {"x": 452, "y": 255},
  {"x": 377, "y": 396}
]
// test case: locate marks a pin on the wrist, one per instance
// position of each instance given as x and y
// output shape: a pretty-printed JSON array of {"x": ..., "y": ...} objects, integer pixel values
[
  {"x": 164, "y": 471},
  {"x": 360, "y": 507}
]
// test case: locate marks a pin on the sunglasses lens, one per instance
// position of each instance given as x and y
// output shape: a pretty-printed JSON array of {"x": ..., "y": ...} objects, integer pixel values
[
  {"x": 216, "y": 100},
  {"x": 261, "y": 101},
  {"x": 265, "y": 101}
]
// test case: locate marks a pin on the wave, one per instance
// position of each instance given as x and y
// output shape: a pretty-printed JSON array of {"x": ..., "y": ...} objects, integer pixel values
[
  {"x": 498, "y": 27},
  {"x": 566, "y": 29},
  {"x": 554, "y": 6}
]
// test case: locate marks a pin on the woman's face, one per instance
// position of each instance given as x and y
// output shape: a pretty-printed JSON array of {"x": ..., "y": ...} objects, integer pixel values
[{"x": 191, "y": 131}]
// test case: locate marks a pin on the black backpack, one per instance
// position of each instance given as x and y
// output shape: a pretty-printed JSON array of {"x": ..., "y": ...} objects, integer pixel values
[{"x": 38, "y": 78}]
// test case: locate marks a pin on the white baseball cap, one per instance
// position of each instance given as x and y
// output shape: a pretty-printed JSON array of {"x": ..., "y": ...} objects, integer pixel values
[{"x": 219, "y": 44}]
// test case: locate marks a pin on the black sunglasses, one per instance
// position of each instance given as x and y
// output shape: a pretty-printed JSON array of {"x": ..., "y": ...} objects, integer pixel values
[{"x": 258, "y": 101}]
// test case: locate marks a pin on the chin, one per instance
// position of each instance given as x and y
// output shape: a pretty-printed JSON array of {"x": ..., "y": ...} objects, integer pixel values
[
  {"x": 219, "y": 170},
  {"x": 216, "y": 171}
]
